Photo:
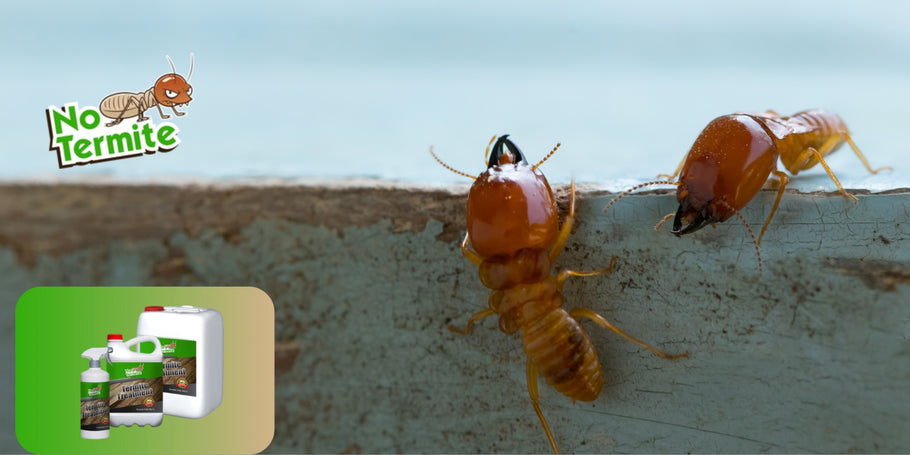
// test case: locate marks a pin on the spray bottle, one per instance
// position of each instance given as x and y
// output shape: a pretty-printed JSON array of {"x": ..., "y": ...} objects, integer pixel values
[{"x": 96, "y": 415}]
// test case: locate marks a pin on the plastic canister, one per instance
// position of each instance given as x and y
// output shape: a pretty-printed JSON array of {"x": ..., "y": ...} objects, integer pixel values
[
  {"x": 192, "y": 341},
  {"x": 136, "y": 392}
]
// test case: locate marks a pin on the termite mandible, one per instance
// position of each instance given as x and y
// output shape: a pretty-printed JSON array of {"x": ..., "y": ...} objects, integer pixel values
[
  {"x": 170, "y": 90},
  {"x": 735, "y": 155},
  {"x": 514, "y": 238}
]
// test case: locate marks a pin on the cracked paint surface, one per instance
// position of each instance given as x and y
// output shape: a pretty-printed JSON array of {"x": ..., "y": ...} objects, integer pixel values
[{"x": 814, "y": 356}]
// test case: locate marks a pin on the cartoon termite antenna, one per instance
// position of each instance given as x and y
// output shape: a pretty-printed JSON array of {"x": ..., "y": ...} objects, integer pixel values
[{"x": 170, "y": 90}]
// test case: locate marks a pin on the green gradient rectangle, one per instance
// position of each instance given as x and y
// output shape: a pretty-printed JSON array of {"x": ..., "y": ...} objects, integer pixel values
[
  {"x": 121, "y": 370},
  {"x": 96, "y": 389},
  {"x": 54, "y": 325},
  {"x": 182, "y": 348}
]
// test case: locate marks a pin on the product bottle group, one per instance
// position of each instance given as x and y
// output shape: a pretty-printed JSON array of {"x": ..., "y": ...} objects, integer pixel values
[{"x": 182, "y": 376}]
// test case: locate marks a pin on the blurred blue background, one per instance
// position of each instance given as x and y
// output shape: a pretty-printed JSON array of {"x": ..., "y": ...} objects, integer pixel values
[{"x": 357, "y": 88}]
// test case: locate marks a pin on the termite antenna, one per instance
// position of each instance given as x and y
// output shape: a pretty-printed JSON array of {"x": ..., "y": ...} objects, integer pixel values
[
  {"x": 548, "y": 156},
  {"x": 192, "y": 60},
  {"x": 751, "y": 234},
  {"x": 173, "y": 70},
  {"x": 486, "y": 153},
  {"x": 450, "y": 167},
  {"x": 636, "y": 187}
]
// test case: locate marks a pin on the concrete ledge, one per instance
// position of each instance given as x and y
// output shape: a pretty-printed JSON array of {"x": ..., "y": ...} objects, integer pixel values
[{"x": 812, "y": 356}]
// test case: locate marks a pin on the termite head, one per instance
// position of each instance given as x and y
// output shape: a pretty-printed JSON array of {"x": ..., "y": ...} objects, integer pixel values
[
  {"x": 172, "y": 89},
  {"x": 511, "y": 206},
  {"x": 726, "y": 167},
  {"x": 696, "y": 194},
  {"x": 693, "y": 214}
]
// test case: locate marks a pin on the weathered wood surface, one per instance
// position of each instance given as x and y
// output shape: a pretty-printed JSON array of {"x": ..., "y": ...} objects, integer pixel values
[{"x": 813, "y": 356}]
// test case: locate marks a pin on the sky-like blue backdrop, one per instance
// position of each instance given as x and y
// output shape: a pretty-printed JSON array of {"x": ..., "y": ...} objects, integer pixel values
[{"x": 358, "y": 88}]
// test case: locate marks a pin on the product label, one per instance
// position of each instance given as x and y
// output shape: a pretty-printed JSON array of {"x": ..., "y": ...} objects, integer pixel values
[
  {"x": 136, "y": 387},
  {"x": 179, "y": 366},
  {"x": 96, "y": 414}
]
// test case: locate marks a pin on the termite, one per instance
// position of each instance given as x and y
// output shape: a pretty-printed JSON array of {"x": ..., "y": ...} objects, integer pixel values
[
  {"x": 514, "y": 238},
  {"x": 736, "y": 154},
  {"x": 170, "y": 90}
]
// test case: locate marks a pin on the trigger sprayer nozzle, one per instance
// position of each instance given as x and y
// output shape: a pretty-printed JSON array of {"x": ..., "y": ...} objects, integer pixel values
[{"x": 94, "y": 355}]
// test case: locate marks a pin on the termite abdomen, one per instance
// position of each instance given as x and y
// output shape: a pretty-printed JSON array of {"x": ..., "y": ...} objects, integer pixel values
[
  {"x": 126, "y": 105},
  {"x": 564, "y": 355}
]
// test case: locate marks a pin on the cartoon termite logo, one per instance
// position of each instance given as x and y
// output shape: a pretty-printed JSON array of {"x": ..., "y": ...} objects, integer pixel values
[
  {"x": 170, "y": 90},
  {"x": 169, "y": 348},
  {"x": 77, "y": 138},
  {"x": 136, "y": 371}
]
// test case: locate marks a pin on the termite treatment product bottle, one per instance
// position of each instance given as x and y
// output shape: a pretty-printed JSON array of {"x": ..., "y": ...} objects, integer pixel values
[
  {"x": 136, "y": 384},
  {"x": 192, "y": 340},
  {"x": 95, "y": 388}
]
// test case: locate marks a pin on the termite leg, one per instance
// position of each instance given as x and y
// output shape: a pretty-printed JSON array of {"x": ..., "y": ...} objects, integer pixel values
[
  {"x": 120, "y": 117},
  {"x": 141, "y": 108},
  {"x": 563, "y": 274},
  {"x": 566, "y": 228},
  {"x": 861, "y": 157},
  {"x": 664, "y": 220},
  {"x": 532, "y": 390},
  {"x": 818, "y": 156},
  {"x": 678, "y": 168},
  {"x": 601, "y": 321},
  {"x": 784, "y": 180},
  {"x": 161, "y": 113},
  {"x": 472, "y": 256},
  {"x": 177, "y": 112},
  {"x": 475, "y": 318}
]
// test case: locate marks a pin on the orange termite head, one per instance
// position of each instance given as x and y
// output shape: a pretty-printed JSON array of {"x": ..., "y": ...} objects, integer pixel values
[
  {"x": 172, "y": 89},
  {"x": 726, "y": 167},
  {"x": 510, "y": 205}
]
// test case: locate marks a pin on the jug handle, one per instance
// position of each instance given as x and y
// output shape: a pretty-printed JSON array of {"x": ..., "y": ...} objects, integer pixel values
[{"x": 144, "y": 338}]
